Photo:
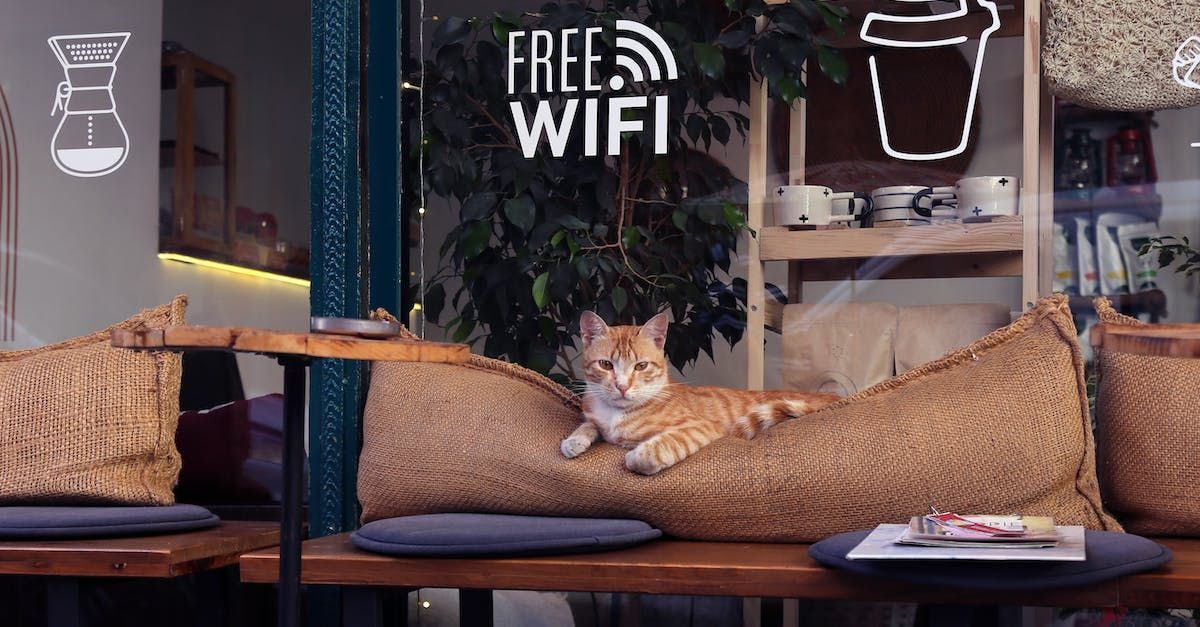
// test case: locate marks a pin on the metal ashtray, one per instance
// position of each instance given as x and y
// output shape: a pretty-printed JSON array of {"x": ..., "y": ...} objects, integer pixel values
[{"x": 354, "y": 326}]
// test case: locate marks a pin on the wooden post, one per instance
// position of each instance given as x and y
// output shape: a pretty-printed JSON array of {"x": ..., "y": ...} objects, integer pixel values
[
  {"x": 184, "y": 198},
  {"x": 755, "y": 296},
  {"x": 1032, "y": 132},
  {"x": 230, "y": 160},
  {"x": 797, "y": 154},
  {"x": 1046, "y": 191}
]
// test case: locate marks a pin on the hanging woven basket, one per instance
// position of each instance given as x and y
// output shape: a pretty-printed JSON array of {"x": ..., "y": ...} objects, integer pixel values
[{"x": 1123, "y": 55}]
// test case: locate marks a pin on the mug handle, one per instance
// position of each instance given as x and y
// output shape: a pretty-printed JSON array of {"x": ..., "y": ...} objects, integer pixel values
[
  {"x": 868, "y": 207},
  {"x": 929, "y": 192}
]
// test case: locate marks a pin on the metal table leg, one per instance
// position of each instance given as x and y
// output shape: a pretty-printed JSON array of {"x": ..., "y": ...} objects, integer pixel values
[
  {"x": 362, "y": 607},
  {"x": 475, "y": 608},
  {"x": 62, "y": 601},
  {"x": 293, "y": 490}
]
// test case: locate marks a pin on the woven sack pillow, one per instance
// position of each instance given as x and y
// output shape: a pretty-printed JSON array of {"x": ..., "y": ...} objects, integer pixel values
[
  {"x": 84, "y": 423},
  {"x": 1147, "y": 417},
  {"x": 1122, "y": 55},
  {"x": 999, "y": 426}
]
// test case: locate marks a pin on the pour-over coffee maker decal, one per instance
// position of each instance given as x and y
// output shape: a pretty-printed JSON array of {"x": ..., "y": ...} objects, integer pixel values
[
  {"x": 955, "y": 22},
  {"x": 90, "y": 139}
]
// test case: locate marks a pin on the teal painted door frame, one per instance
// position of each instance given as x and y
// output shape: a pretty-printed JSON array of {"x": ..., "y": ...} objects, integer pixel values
[{"x": 358, "y": 260}]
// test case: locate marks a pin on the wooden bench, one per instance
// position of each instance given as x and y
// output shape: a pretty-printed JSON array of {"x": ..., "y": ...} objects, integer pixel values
[
  {"x": 65, "y": 562},
  {"x": 695, "y": 568}
]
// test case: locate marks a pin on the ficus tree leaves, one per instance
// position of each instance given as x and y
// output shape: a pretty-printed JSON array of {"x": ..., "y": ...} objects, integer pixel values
[{"x": 540, "y": 240}]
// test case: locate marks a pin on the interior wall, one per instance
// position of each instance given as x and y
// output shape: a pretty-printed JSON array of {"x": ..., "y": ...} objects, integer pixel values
[{"x": 87, "y": 246}]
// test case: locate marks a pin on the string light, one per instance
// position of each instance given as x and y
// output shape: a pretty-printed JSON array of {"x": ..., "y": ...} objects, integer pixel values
[{"x": 421, "y": 170}]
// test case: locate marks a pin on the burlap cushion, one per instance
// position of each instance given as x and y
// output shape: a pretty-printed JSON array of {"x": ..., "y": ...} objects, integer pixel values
[
  {"x": 1000, "y": 426},
  {"x": 82, "y": 422},
  {"x": 1148, "y": 455}
]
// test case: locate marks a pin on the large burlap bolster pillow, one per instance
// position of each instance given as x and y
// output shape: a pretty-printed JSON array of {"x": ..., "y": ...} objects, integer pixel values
[
  {"x": 1147, "y": 420},
  {"x": 82, "y": 422},
  {"x": 1000, "y": 426}
]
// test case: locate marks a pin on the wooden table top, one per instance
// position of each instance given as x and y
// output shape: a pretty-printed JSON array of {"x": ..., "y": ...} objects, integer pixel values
[
  {"x": 161, "y": 556},
  {"x": 1158, "y": 340},
  {"x": 244, "y": 340},
  {"x": 705, "y": 568}
]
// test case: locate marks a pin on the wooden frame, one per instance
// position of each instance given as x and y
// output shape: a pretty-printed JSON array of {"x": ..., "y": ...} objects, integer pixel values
[
  {"x": 185, "y": 68},
  {"x": 1019, "y": 247}
]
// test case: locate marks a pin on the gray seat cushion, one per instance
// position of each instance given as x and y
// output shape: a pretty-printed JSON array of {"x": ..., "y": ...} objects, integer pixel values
[
  {"x": 1109, "y": 555},
  {"x": 50, "y": 522},
  {"x": 455, "y": 535}
]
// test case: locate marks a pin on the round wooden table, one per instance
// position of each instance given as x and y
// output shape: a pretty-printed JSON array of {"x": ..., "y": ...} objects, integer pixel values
[{"x": 293, "y": 351}]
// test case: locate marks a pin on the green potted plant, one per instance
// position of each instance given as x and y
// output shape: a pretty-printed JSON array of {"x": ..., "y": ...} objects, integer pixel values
[
  {"x": 542, "y": 239},
  {"x": 1170, "y": 249}
]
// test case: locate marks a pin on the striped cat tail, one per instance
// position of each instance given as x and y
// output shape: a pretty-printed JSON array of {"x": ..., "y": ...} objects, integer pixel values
[{"x": 764, "y": 415}]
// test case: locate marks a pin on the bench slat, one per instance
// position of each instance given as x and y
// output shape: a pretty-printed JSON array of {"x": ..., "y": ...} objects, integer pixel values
[
  {"x": 157, "y": 556},
  {"x": 661, "y": 567}
]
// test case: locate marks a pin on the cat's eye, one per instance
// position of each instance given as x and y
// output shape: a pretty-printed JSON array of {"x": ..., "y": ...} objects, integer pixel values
[
  {"x": 641, "y": 365},
  {"x": 605, "y": 364}
]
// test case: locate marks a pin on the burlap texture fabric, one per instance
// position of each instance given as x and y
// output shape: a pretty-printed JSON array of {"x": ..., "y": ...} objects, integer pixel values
[
  {"x": 1148, "y": 455},
  {"x": 1119, "y": 54},
  {"x": 999, "y": 426},
  {"x": 82, "y": 422}
]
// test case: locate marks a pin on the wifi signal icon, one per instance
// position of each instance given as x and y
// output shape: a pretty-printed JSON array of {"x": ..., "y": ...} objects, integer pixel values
[{"x": 640, "y": 50}]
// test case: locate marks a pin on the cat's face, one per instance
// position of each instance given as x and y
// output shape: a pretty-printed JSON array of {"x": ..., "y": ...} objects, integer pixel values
[{"x": 624, "y": 366}]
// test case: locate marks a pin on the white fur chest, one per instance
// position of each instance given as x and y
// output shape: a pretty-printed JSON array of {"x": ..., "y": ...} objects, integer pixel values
[{"x": 606, "y": 418}]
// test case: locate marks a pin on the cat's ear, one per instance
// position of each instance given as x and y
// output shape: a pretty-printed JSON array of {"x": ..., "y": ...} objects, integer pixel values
[
  {"x": 591, "y": 327},
  {"x": 655, "y": 329}
]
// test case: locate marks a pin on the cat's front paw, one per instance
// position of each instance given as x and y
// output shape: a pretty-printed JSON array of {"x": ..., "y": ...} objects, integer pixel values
[
  {"x": 640, "y": 460},
  {"x": 574, "y": 446}
]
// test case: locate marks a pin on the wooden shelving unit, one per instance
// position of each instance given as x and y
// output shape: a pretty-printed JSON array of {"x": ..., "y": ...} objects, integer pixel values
[
  {"x": 184, "y": 72},
  {"x": 1017, "y": 248}
]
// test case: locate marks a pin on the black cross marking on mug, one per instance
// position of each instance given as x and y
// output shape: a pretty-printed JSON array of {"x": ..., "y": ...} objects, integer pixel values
[
  {"x": 826, "y": 192},
  {"x": 1003, "y": 182},
  {"x": 780, "y": 192},
  {"x": 804, "y": 218},
  {"x": 977, "y": 211}
]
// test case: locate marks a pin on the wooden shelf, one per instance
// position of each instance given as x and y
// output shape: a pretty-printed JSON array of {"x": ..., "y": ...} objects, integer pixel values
[
  {"x": 1074, "y": 114},
  {"x": 1152, "y": 302},
  {"x": 781, "y": 244},
  {"x": 201, "y": 157}
]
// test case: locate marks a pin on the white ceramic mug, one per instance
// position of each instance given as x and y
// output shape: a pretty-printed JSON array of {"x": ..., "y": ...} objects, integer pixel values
[
  {"x": 985, "y": 197},
  {"x": 893, "y": 205},
  {"x": 808, "y": 205}
]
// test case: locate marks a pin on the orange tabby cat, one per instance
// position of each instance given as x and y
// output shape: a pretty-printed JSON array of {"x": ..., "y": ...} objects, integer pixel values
[{"x": 631, "y": 403}]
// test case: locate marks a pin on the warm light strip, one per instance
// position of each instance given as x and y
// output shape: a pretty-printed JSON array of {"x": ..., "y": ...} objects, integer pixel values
[{"x": 262, "y": 274}]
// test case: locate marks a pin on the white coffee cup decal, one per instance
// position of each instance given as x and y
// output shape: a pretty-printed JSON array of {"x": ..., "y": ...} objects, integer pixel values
[
  {"x": 90, "y": 139},
  {"x": 865, "y": 34}
]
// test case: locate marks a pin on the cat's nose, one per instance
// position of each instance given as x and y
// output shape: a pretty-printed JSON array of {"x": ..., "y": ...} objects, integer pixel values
[{"x": 622, "y": 388}]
